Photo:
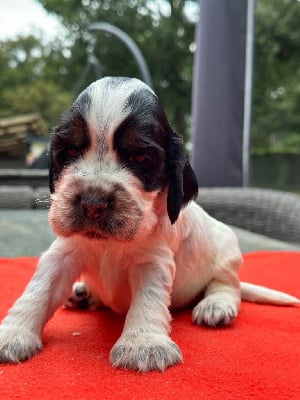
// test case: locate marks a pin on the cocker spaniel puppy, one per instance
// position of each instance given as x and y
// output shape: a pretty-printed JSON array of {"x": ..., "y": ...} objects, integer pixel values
[{"x": 122, "y": 211}]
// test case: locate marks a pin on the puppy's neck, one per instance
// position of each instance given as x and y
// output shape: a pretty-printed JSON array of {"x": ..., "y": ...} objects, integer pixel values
[{"x": 160, "y": 204}]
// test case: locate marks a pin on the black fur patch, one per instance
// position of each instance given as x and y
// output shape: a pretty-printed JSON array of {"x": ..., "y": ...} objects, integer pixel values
[
  {"x": 183, "y": 185},
  {"x": 140, "y": 139},
  {"x": 70, "y": 139},
  {"x": 149, "y": 147}
]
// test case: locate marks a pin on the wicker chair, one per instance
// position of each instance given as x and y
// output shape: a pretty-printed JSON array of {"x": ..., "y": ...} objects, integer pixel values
[{"x": 268, "y": 212}]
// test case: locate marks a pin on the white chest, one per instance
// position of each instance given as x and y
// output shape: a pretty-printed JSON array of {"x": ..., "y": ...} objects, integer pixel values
[{"x": 107, "y": 277}]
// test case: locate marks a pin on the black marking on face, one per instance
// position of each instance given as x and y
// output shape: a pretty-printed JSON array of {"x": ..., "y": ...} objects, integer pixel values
[
  {"x": 148, "y": 146},
  {"x": 140, "y": 140},
  {"x": 70, "y": 140},
  {"x": 140, "y": 153}
]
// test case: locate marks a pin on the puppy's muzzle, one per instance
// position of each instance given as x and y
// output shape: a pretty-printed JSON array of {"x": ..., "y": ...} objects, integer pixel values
[{"x": 95, "y": 212}]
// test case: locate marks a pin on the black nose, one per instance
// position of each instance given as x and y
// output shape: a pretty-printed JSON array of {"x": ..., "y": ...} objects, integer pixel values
[{"x": 93, "y": 206}]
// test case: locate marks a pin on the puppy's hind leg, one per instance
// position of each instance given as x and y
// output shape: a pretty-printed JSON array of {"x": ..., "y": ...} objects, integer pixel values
[
  {"x": 222, "y": 299},
  {"x": 82, "y": 298}
]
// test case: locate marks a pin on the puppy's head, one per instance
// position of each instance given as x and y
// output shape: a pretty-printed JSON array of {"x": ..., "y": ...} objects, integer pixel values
[{"x": 111, "y": 157}]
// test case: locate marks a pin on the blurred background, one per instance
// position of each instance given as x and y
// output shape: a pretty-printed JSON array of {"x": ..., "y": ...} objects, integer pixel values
[
  {"x": 226, "y": 71},
  {"x": 48, "y": 55}
]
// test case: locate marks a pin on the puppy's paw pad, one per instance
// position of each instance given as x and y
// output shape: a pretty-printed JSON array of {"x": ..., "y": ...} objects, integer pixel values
[
  {"x": 145, "y": 352},
  {"x": 81, "y": 298},
  {"x": 214, "y": 313},
  {"x": 17, "y": 344}
]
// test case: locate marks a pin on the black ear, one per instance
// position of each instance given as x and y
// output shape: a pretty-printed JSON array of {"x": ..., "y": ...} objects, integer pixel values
[
  {"x": 54, "y": 168},
  {"x": 183, "y": 185},
  {"x": 52, "y": 174}
]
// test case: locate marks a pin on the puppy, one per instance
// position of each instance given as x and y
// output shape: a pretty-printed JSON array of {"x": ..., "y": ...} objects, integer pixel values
[{"x": 122, "y": 211}]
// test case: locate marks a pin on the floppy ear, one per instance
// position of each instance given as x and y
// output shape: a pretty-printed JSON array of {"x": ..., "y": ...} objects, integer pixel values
[
  {"x": 183, "y": 185},
  {"x": 51, "y": 170},
  {"x": 54, "y": 170}
]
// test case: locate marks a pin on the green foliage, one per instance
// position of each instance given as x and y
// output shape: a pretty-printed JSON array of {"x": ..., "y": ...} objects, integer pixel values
[
  {"x": 288, "y": 145},
  {"x": 29, "y": 79},
  {"x": 47, "y": 100},
  {"x": 43, "y": 77},
  {"x": 276, "y": 102},
  {"x": 161, "y": 30}
]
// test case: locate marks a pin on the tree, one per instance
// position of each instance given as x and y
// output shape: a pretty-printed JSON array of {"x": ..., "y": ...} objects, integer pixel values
[
  {"x": 163, "y": 32},
  {"x": 39, "y": 76},
  {"x": 30, "y": 80},
  {"x": 276, "y": 102}
]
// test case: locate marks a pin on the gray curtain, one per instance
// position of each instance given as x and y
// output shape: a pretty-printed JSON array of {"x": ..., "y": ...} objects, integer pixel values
[{"x": 219, "y": 93}]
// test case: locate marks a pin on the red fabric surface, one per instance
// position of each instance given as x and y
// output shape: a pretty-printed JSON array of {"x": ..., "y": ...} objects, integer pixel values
[{"x": 258, "y": 357}]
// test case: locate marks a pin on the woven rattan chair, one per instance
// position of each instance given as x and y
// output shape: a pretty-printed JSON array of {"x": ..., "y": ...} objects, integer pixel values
[
  {"x": 271, "y": 213},
  {"x": 16, "y": 197}
]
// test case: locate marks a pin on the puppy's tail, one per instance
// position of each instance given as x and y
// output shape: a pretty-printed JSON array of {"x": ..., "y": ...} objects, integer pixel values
[{"x": 261, "y": 294}]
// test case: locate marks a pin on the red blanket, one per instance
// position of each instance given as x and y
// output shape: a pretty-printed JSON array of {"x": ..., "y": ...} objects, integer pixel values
[{"x": 258, "y": 357}]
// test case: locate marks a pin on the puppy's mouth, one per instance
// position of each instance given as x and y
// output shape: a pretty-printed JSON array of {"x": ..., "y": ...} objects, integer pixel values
[{"x": 94, "y": 235}]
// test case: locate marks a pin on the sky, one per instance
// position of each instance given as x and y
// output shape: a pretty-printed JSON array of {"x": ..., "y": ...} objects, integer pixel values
[{"x": 21, "y": 16}]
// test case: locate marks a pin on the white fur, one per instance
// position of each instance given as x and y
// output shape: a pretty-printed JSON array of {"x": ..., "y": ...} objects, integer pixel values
[
  {"x": 108, "y": 109},
  {"x": 260, "y": 294},
  {"x": 161, "y": 266}
]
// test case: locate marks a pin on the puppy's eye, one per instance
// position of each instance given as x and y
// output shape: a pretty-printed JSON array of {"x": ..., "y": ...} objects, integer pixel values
[
  {"x": 73, "y": 152},
  {"x": 138, "y": 158}
]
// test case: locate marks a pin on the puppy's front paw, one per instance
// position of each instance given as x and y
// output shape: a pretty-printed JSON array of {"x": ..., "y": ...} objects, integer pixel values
[
  {"x": 214, "y": 312},
  {"x": 145, "y": 352},
  {"x": 17, "y": 344}
]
